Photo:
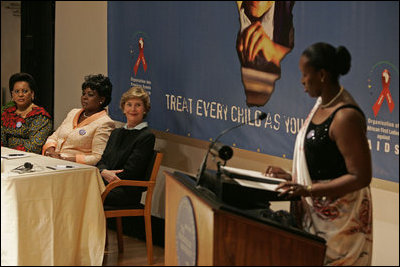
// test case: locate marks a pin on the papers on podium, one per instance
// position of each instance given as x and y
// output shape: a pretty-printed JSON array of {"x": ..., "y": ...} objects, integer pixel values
[{"x": 253, "y": 179}]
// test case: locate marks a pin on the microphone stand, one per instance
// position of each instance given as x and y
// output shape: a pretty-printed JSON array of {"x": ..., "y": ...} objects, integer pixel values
[{"x": 203, "y": 165}]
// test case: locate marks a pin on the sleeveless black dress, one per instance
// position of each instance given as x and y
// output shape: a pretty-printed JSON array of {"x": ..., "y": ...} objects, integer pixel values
[{"x": 324, "y": 160}]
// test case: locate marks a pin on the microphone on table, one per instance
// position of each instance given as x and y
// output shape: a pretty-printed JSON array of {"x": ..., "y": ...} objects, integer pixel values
[
  {"x": 26, "y": 167},
  {"x": 223, "y": 151}
]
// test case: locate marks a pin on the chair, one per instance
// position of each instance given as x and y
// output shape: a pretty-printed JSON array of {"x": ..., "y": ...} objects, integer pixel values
[{"x": 119, "y": 212}]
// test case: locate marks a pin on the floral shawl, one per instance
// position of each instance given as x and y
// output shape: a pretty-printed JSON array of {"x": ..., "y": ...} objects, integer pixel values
[{"x": 345, "y": 222}]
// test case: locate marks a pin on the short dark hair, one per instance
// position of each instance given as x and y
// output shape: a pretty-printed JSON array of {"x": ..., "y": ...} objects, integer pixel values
[
  {"x": 101, "y": 84},
  {"x": 336, "y": 61},
  {"x": 22, "y": 77}
]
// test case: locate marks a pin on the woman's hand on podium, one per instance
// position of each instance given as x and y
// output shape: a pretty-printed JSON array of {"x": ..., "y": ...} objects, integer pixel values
[{"x": 291, "y": 189}]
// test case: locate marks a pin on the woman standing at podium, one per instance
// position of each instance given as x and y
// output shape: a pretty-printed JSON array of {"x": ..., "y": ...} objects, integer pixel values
[{"x": 332, "y": 162}]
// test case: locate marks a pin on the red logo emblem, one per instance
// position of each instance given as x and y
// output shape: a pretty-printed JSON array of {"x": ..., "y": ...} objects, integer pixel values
[
  {"x": 140, "y": 57},
  {"x": 385, "y": 94}
]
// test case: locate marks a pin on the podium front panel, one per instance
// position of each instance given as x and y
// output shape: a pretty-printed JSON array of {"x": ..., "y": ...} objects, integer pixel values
[
  {"x": 204, "y": 219},
  {"x": 228, "y": 238}
]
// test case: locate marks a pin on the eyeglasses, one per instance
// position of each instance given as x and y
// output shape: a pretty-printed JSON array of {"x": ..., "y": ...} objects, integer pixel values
[{"x": 23, "y": 91}]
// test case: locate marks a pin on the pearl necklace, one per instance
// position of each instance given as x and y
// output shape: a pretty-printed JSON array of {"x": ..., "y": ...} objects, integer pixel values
[{"x": 333, "y": 99}]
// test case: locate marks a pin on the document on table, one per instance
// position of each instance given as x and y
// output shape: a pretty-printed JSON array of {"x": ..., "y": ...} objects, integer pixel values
[
  {"x": 14, "y": 155},
  {"x": 61, "y": 167}
]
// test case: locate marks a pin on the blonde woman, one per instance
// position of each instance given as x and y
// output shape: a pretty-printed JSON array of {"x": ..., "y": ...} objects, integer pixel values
[{"x": 129, "y": 149}]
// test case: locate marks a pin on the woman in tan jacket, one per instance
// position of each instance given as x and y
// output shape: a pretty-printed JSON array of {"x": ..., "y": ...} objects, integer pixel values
[{"x": 84, "y": 133}]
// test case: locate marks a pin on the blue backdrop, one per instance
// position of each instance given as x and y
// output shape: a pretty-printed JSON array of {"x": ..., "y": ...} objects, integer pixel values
[{"x": 191, "y": 69}]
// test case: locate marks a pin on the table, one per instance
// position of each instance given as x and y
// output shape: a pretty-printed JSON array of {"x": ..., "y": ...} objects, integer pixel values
[{"x": 51, "y": 217}]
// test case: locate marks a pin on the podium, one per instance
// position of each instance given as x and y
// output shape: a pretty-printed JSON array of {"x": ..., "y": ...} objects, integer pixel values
[{"x": 202, "y": 230}]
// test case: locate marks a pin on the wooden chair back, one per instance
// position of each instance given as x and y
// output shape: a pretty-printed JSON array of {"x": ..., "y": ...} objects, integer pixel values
[{"x": 152, "y": 172}]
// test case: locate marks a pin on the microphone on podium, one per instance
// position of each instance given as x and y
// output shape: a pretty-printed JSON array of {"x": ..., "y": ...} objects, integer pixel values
[{"x": 223, "y": 151}]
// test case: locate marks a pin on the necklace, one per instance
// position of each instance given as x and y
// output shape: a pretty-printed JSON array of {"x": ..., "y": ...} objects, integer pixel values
[
  {"x": 24, "y": 112},
  {"x": 84, "y": 115},
  {"x": 333, "y": 99}
]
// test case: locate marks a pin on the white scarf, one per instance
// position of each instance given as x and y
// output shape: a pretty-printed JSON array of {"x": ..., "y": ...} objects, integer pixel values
[
  {"x": 344, "y": 245},
  {"x": 300, "y": 172}
]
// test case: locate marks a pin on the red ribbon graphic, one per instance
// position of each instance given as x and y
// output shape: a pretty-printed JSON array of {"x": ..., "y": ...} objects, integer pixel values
[
  {"x": 384, "y": 94},
  {"x": 140, "y": 57}
]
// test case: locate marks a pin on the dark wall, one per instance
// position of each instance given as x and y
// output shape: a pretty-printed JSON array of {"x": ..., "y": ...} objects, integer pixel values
[{"x": 37, "y": 48}]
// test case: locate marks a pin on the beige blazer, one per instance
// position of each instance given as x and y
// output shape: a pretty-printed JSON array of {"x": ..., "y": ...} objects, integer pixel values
[{"x": 86, "y": 140}]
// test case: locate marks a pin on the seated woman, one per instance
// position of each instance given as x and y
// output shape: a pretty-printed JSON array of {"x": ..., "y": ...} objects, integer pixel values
[
  {"x": 24, "y": 126},
  {"x": 83, "y": 134},
  {"x": 129, "y": 150}
]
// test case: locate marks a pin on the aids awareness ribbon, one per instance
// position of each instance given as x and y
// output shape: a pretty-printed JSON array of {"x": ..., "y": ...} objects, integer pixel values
[
  {"x": 140, "y": 57},
  {"x": 384, "y": 94}
]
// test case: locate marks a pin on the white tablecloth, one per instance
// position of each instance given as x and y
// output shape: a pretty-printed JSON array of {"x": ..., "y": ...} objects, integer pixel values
[{"x": 51, "y": 217}]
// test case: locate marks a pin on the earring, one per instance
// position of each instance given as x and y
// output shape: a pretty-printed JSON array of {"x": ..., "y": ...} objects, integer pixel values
[
  {"x": 101, "y": 102},
  {"x": 322, "y": 80}
]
